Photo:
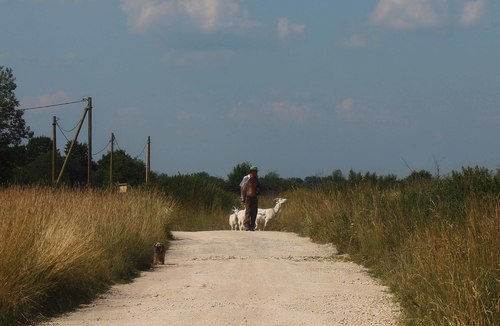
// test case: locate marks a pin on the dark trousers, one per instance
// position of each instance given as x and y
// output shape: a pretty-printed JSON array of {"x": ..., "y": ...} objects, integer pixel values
[{"x": 251, "y": 204}]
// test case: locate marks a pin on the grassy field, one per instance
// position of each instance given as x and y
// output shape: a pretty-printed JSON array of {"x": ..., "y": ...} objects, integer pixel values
[
  {"x": 434, "y": 242},
  {"x": 62, "y": 247},
  {"x": 439, "y": 256}
]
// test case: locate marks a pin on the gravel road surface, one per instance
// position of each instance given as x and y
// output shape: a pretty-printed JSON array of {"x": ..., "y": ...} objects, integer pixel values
[{"x": 244, "y": 278}]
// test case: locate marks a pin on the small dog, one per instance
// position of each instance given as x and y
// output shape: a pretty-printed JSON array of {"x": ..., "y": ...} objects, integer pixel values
[{"x": 159, "y": 253}]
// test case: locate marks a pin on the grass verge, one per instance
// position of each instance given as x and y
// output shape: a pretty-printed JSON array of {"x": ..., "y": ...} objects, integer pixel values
[
  {"x": 438, "y": 254},
  {"x": 62, "y": 247}
]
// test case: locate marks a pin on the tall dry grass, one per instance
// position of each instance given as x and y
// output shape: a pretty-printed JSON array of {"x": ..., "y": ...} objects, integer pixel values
[
  {"x": 62, "y": 247},
  {"x": 448, "y": 273},
  {"x": 189, "y": 218},
  {"x": 439, "y": 255}
]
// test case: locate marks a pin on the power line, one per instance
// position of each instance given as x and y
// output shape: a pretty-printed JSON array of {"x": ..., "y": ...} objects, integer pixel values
[
  {"x": 52, "y": 105},
  {"x": 116, "y": 143},
  {"x": 143, "y": 149},
  {"x": 62, "y": 132},
  {"x": 135, "y": 157},
  {"x": 102, "y": 150},
  {"x": 61, "y": 128}
]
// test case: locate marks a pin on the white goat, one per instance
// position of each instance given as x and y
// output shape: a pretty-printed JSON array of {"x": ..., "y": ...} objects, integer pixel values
[
  {"x": 264, "y": 215},
  {"x": 241, "y": 218},
  {"x": 233, "y": 219}
]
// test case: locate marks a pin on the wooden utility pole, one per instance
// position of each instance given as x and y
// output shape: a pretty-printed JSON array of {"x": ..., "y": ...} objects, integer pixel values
[
  {"x": 72, "y": 145},
  {"x": 54, "y": 149},
  {"x": 111, "y": 163},
  {"x": 89, "y": 159},
  {"x": 148, "y": 161}
]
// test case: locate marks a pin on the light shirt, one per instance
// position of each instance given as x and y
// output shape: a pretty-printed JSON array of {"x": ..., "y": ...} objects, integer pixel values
[{"x": 244, "y": 186}]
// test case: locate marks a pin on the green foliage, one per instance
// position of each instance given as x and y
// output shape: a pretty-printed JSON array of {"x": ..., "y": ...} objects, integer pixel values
[
  {"x": 234, "y": 178},
  {"x": 198, "y": 190},
  {"x": 76, "y": 170},
  {"x": 125, "y": 170},
  {"x": 272, "y": 184},
  {"x": 38, "y": 171},
  {"x": 203, "y": 204},
  {"x": 476, "y": 180},
  {"x": 271, "y": 180},
  {"x": 37, "y": 166},
  {"x": 13, "y": 128},
  {"x": 38, "y": 146},
  {"x": 419, "y": 176}
]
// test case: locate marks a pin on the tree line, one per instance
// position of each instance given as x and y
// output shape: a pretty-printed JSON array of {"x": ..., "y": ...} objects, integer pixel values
[{"x": 27, "y": 160}]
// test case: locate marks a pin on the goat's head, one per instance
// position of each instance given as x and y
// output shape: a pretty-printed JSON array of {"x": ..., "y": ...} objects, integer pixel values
[
  {"x": 279, "y": 202},
  {"x": 235, "y": 210}
]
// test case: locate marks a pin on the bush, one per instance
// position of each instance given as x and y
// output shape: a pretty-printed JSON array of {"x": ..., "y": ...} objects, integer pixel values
[{"x": 202, "y": 202}]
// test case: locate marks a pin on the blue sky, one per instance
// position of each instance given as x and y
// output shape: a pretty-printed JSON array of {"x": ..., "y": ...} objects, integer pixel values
[{"x": 300, "y": 88}]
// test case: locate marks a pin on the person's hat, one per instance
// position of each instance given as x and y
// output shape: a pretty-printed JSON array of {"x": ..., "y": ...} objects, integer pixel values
[{"x": 253, "y": 168}]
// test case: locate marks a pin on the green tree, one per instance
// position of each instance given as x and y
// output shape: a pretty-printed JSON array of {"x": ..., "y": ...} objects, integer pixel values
[
  {"x": 76, "y": 168},
  {"x": 125, "y": 169},
  {"x": 13, "y": 128},
  {"x": 196, "y": 190},
  {"x": 272, "y": 183},
  {"x": 38, "y": 162},
  {"x": 388, "y": 181},
  {"x": 37, "y": 146},
  {"x": 338, "y": 177},
  {"x": 294, "y": 182},
  {"x": 354, "y": 178},
  {"x": 234, "y": 178},
  {"x": 313, "y": 181},
  {"x": 38, "y": 171},
  {"x": 419, "y": 176}
]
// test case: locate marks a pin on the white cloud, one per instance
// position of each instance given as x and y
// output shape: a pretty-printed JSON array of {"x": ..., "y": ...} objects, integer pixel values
[
  {"x": 128, "y": 115},
  {"x": 356, "y": 41},
  {"x": 411, "y": 14},
  {"x": 350, "y": 111},
  {"x": 190, "y": 116},
  {"x": 216, "y": 14},
  {"x": 206, "y": 15},
  {"x": 238, "y": 113},
  {"x": 47, "y": 99},
  {"x": 274, "y": 110},
  {"x": 69, "y": 57},
  {"x": 407, "y": 14},
  {"x": 209, "y": 58},
  {"x": 285, "y": 28},
  {"x": 289, "y": 111},
  {"x": 472, "y": 12},
  {"x": 144, "y": 13},
  {"x": 345, "y": 109}
]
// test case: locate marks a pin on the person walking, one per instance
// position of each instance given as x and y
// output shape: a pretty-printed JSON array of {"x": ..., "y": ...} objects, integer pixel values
[{"x": 249, "y": 189}]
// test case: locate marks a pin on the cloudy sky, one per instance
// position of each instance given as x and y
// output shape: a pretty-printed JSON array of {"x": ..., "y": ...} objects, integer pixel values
[{"x": 296, "y": 87}]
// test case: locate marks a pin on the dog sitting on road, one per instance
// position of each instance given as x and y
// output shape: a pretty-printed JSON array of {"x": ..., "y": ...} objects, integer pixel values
[{"x": 159, "y": 253}]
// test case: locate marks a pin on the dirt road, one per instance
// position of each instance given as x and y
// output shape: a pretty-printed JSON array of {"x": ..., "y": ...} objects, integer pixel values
[{"x": 244, "y": 278}]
